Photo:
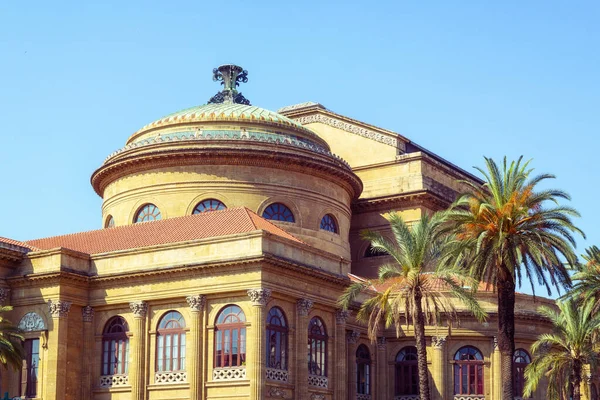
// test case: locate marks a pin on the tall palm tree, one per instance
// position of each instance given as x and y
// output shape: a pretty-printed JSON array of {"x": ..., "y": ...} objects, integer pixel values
[
  {"x": 413, "y": 287},
  {"x": 587, "y": 278},
  {"x": 561, "y": 355},
  {"x": 12, "y": 352},
  {"x": 509, "y": 230}
]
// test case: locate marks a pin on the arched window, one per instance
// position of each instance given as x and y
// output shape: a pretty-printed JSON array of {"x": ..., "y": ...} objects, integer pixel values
[
  {"x": 115, "y": 347},
  {"x": 371, "y": 252},
  {"x": 110, "y": 222},
  {"x": 277, "y": 339},
  {"x": 317, "y": 347},
  {"x": 468, "y": 371},
  {"x": 328, "y": 223},
  {"x": 363, "y": 370},
  {"x": 209, "y": 205},
  {"x": 520, "y": 360},
  {"x": 278, "y": 212},
  {"x": 406, "y": 372},
  {"x": 170, "y": 343},
  {"x": 230, "y": 337},
  {"x": 148, "y": 212}
]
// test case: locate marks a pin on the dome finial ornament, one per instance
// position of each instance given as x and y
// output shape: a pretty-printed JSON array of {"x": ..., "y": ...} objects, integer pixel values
[{"x": 230, "y": 76}]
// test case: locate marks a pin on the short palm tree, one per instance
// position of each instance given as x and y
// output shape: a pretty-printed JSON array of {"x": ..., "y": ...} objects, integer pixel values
[
  {"x": 413, "y": 288},
  {"x": 587, "y": 278},
  {"x": 560, "y": 356},
  {"x": 11, "y": 342},
  {"x": 508, "y": 230}
]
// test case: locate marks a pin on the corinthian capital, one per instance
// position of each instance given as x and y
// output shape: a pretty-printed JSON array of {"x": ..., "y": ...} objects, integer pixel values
[
  {"x": 259, "y": 296},
  {"x": 352, "y": 336},
  {"x": 59, "y": 308},
  {"x": 304, "y": 306},
  {"x": 341, "y": 316},
  {"x": 138, "y": 308},
  {"x": 438, "y": 341},
  {"x": 4, "y": 295},
  {"x": 381, "y": 343},
  {"x": 196, "y": 302},
  {"x": 87, "y": 313}
]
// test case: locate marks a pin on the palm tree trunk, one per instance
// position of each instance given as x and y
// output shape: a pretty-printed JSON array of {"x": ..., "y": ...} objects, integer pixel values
[
  {"x": 506, "y": 330},
  {"x": 576, "y": 380},
  {"x": 419, "y": 330}
]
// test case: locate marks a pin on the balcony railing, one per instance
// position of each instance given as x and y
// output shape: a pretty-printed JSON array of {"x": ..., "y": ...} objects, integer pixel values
[
  {"x": 170, "y": 377},
  {"x": 107, "y": 381},
  {"x": 318, "y": 381},
  {"x": 229, "y": 374},
  {"x": 279, "y": 375}
]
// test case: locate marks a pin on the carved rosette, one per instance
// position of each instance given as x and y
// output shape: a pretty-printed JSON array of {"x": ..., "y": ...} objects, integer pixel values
[
  {"x": 381, "y": 343},
  {"x": 259, "y": 296},
  {"x": 88, "y": 313},
  {"x": 196, "y": 302},
  {"x": 304, "y": 306},
  {"x": 59, "y": 308},
  {"x": 341, "y": 316},
  {"x": 4, "y": 295},
  {"x": 352, "y": 336},
  {"x": 438, "y": 341},
  {"x": 138, "y": 308}
]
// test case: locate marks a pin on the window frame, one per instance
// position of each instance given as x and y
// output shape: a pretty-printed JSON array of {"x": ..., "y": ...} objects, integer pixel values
[
  {"x": 219, "y": 206},
  {"x": 281, "y": 333},
  {"x": 177, "y": 352},
  {"x": 473, "y": 367},
  {"x": 327, "y": 221},
  {"x": 363, "y": 369},
  {"x": 270, "y": 209},
  {"x": 317, "y": 345},
  {"x": 116, "y": 343},
  {"x": 405, "y": 372},
  {"x": 110, "y": 222},
  {"x": 155, "y": 214},
  {"x": 30, "y": 371},
  {"x": 239, "y": 327},
  {"x": 519, "y": 371}
]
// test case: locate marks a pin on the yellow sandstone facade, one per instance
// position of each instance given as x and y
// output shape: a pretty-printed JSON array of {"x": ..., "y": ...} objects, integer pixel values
[{"x": 253, "y": 217}]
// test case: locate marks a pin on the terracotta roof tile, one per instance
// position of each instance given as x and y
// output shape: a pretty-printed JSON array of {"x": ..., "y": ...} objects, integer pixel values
[
  {"x": 172, "y": 230},
  {"x": 379, "y": 287},
  {"x": 12, "y": 242}
]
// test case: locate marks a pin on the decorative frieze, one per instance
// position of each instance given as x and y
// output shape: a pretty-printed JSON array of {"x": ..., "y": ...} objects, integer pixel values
[
  {"x": 381, "y": 343},
  {"x": 170, "y": 377},
  {"x": 32, "y": 322},
  {"x": 304, "y": 306},
  {"x": 279, "y": 375},
  {"x": 438, "y": 341},
  {"x": 59, "y": 308},
  {"x": 87, "y": 313},
  {"x": 228, "y": 374},
  {"x": 318, "y": 381},
  {"x": 341, "y": 316},
  {"x": 259, "y": 296},
  {"x": 138, "y": 308},
  {"x": 277, "y": 392},
  {"x": 352, "y": 336},
  {"x": 107, "y": 381},
  {"x": 196, "y": 302}
]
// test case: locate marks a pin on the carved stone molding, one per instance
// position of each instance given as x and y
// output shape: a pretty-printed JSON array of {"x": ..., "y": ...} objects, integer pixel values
[
  {"x": 88, "y": 313},
  {"x": 277, "y": 392},
  {"x": 138, "y": 308},
  {"x": 196, "y": 302},
  {"x": 438, "y": 341},
  {"x": 304, "y": 306},
  {"x": 32, "y": 322},
  {"x": 381, "y": 343},
  {"x": 259, "y": 296},
  {"x": 352, "y": 336},
  {"x": 59, "y": 308},
  {"x": 341, "y": 316},
  {"x": 4, "y": 292}
]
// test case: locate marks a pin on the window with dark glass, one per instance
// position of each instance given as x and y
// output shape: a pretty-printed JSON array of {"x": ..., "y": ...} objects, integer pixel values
[
  {"x": 406, "y": 374},
  {"x": 520, "y": 360},
  {"x": 115, "y": 347},
  {"x": 230, "y": 337},
  {"x": 29, "y": 373},
  {"x": 363, "y": 370},
  {"x": 209, "y": 205},
  {"x": 328, "y": 224},
  {"x": 468, "y": 371},
  {"x": 278, "y": 212},
  {"x": 148, "y": 212},
  {"x": 170, "y": 343},
  {"x": 317, "y": 347},
  {"x": 277, "y": 339},
  {"x": 371, "y": 252},
  {"x": 110, "y": 222}
]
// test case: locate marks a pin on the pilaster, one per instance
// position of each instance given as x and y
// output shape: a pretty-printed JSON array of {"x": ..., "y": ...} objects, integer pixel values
[
  {"x": 438, "y": 367},
  {"x": 195, "y": 346},
  {"x": 340, "y": 375},
  {"x": 138, "y": 367},
  {"x": 257, "y": 374},
  {"x": 56, "y": 382},
  {"x": 87, "y": 314},
  {"x": 496, "y": 371},
  {"x": 352, "y": 339},
  {"x": 303, "y": 307},
  {"x": 382, "y": 389}
]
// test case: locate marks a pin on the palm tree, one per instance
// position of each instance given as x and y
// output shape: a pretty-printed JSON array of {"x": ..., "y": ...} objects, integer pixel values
[
  {"x": 413, "y": 288},
  {"x": 12, "y": 352},
  {"x": 587, "y": 278},
  {"x": 561, "y": 355},
  {"x": 507, "y": 231}
]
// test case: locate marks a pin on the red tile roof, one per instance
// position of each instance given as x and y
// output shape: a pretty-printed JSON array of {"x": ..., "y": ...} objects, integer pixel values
[
  {"x": 12, "y": 242},
  {"x": 172, "y": 230},
  {"x": 436, "y": 284}
]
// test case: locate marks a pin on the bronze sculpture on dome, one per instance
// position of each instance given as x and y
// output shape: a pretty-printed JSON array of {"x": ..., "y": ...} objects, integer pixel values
[{"x": 230, "y": 76}]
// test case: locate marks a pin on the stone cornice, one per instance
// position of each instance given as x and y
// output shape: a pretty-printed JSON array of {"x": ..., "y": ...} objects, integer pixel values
[
  {"x": 408, "y": 199},
  {"x": 12, "y": 255}
]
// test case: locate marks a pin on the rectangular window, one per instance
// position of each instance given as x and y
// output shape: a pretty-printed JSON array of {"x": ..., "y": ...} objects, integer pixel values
[{"x": 29, "y": 372}]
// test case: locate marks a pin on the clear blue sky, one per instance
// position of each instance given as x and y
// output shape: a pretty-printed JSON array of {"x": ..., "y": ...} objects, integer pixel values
[{"x": 463, "y": 79}]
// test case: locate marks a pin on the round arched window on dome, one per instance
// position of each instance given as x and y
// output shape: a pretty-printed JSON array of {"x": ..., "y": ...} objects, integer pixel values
[
  {"x": 209, "y": 205},
  {"x": 148, "y": 212},
  {"x": 278, "y": 212},
  {"x": 110, "y": 222},
  {"x": 328, "y": 223}
]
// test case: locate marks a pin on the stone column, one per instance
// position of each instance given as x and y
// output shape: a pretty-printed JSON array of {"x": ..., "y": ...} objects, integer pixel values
[
  {"x": 438, "y": 367},
  {"x": 56, "y": 360},
  {"x": 496, "y": 371},
  {"x": 88, "y": 343},
  {"x": 352, "y": 339},
  {"x": 137, "y": 368},
  {"x": 195, "y": 347},
  {"x": 303, "y": 307},
  {"x": 257, "y": 374},
  {"x": 340, "y": 356},
  {"x": 382, "y": 372}
]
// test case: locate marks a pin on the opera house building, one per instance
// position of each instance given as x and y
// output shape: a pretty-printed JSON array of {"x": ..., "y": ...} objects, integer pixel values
[{"x": 228, "y": 232}]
